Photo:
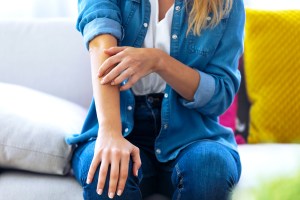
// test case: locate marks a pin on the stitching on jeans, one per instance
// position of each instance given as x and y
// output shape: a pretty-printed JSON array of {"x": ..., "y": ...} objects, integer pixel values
[{"x": 180, "y": 177}]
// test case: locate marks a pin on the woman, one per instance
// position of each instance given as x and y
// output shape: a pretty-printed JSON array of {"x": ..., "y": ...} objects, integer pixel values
[{"x": 162, "y": 72}]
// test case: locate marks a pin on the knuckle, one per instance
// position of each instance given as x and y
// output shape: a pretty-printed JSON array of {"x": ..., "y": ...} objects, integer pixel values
[
  {"x": 106, "y": 63},
  {"x": 131, "y": 59},
  {"x": 122, "y": 53},
  {"x": 137, "y": 150},
  {"x": 132, "y": 71},
  {"x": 116, "y": 152},
  {"x": 105, "y": 151},
  {"x": 126, "y": 153},
  {"x": 123, "y": 176},
  {"x": 100, "y": 183},
  {"x": 132, "y": 80},
  {"x": 113, "y": 176},
  {"x": 103, "y": 172}
]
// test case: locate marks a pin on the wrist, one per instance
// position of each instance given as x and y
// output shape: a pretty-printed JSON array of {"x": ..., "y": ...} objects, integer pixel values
[
  {"x": 106, "y": 126},
  {"x": 160, "y": 61}
]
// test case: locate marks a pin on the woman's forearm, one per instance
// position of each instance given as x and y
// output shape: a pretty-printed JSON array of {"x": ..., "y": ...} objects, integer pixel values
[
  {"x": 107, "y": 97},
  {"x": 183, "y": 79}
]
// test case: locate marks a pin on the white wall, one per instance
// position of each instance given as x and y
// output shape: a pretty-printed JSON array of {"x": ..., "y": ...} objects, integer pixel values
[
  {"x": 68, "y": 8},
  {"x": 38, "y": 8},
  {"x": 273, "y": 4}
]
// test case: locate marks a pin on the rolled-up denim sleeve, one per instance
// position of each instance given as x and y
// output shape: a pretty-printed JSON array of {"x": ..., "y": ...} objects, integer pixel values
[
  {"x": 96, "y": 17},
  {"x": 204, "y": 92},
  {"x": 221, "y": 78}
]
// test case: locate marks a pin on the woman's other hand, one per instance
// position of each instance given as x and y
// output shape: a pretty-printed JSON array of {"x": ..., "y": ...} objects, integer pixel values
[
  {"x": 114, "y": 151},
  {"x": 128, "y": 63}
]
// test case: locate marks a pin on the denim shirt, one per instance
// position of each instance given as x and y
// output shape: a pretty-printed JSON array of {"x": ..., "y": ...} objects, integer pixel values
[{"x": 214, "y": 55}]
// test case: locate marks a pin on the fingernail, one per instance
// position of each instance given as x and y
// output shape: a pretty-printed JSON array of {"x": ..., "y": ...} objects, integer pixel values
[
  {"x": 119, "y": 192},
  {"x": 112, "y": 83},
  {"x": 102, "y": 81},
  {"x": 88, "y": 181},
  {"x": 137, "y": 173},
  {"x": 99, "y": 191},
  {"x": 111, "y": 195}
]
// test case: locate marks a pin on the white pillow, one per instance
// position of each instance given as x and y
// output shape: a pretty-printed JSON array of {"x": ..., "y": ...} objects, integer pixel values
[{"x": 33, "y": 126}]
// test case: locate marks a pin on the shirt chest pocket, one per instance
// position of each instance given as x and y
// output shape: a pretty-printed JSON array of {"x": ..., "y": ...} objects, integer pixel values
[
  {"x": 205, "y": 45},
  {"x": 128, "y": 11}
]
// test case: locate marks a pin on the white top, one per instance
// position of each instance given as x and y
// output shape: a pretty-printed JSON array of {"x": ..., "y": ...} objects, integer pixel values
[{"x": 158, "y": 36}]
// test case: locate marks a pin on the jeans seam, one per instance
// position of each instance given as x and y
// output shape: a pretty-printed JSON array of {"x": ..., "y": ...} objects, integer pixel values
[{"x": 180, "y": 178}]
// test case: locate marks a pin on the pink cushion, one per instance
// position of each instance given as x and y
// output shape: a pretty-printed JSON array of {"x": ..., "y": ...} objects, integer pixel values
[{"x": 228, "y": 118}]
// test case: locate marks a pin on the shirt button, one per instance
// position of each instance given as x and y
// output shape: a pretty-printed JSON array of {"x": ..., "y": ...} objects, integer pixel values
[
  {"x": 165, "y": 126},
  {"x": 158, "y": 151},
  {"x": 145, "y": 25},
  {"x": 177, "y": 8},
  {"x": 129, "y": 108},
  {"x": 126, "y": 130},
  {"x": 166, "y": 95},
  {"x": 174, "y": 37}
]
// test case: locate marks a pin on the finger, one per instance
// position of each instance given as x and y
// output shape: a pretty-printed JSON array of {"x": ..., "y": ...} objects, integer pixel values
[
  {"x": 93, "y": 168},
  {"x": 136, "y": 159},
  {"x": 132, "y": 80},
  {"x": 108, "y": 64},
  {"x": 123, "y": 174},
  {"x": 128, "y": 73},
  {"x": 102, "y": 175},
  {"x": 115, "y": 72},
  {"x": 114, "y": 176},
  {"x": 114, "y": 50}
]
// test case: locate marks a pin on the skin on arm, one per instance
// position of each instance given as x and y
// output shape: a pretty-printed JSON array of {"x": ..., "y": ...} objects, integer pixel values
[
  {"x": 111, "y": 148},
  {"x": 135, "y": 63}
]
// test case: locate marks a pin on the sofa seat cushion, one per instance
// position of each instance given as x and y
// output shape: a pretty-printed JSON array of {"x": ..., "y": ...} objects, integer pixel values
[
  {"x": 33, "y": 186},
  {"x": 16, "y": 185}
]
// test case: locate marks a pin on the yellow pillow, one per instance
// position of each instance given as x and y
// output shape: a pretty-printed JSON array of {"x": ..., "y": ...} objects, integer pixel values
[{"x": 272, "y": 73}]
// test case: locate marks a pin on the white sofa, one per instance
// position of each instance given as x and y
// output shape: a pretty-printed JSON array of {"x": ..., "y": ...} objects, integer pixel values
[{"x": 49, "y": 56}]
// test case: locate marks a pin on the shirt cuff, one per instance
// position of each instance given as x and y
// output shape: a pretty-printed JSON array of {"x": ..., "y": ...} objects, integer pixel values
[
  {"x": 204, "y": 92},
  {"x": 101, "y": 26}
]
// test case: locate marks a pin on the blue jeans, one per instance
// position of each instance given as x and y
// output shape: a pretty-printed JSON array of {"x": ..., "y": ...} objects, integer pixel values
[{"x": 204, "y": 170}]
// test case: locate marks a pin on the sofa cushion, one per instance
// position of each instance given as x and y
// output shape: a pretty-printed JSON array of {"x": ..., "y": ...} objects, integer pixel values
[
  {"x": 33, "y": 126},
  {"x": 30, "y": 186},
  {"x": 272, "y": 75}
]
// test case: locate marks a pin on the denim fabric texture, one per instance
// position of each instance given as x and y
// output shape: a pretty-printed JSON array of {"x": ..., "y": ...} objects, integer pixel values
[
  {"x": 204, "y": 170},
  {"x": 214, "y": 54}
]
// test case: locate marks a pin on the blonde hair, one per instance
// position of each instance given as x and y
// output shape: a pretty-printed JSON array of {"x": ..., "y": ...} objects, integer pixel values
[{"x": 200, "y": 11}]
